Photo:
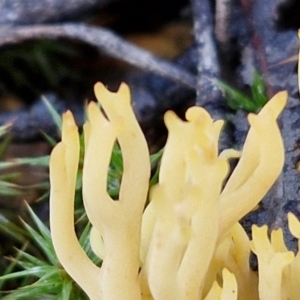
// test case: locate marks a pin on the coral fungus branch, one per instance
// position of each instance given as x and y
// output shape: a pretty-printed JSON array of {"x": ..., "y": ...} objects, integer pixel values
[{"x": 63, "y": 170}]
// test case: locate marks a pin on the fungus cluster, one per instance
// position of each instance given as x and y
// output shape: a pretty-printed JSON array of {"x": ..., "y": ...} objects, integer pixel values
[{"x": 187, "y": 243}]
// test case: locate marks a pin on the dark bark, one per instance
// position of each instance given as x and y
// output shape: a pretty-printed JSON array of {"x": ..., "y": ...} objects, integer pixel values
[{"x": 264, "y": 47}]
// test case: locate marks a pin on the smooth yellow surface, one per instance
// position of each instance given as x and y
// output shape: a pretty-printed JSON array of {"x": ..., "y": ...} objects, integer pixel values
[{"x": 187, "y": 244}]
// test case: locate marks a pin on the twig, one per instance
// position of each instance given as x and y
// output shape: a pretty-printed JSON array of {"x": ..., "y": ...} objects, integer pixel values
[
  {"x": 222, "y": 21},
  {"x": 208, "y": 65},
  {"x": 42, "y": 11},
  {"x": 106, "y": 41}
]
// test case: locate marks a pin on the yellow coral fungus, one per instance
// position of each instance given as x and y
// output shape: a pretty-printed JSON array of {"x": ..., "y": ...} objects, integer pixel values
[
  {"x": 118, "y": 221},
  {"x": 187, "y": 243}
]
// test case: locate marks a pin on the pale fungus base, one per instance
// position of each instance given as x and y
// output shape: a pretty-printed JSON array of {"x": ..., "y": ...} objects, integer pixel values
[{"x": 187, "y": 244}]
